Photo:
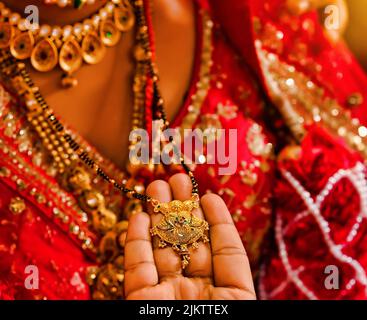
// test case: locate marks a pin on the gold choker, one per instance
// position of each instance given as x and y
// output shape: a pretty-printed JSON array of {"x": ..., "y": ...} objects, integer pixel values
[{"x": 69, "y": 47}]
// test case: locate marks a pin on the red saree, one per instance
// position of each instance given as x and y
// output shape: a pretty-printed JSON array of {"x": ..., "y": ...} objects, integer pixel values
[{"x": 274, "y": 77}]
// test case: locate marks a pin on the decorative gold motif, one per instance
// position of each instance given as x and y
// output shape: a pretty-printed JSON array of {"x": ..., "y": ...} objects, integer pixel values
[
  {"x": 109, "y": 277},
  {"x": 4, "y": 172},
  {"x": 109, "y": 33},
  {"x": 93, "y": 49},
  {"x": 91, "y": 201},
  {"x": 17, "y": 205},
  {"x": 124, "y": 17},
  {"x": 227, "y": 111},
  {"x": 107, "y": 281},
  {"x": 67, "y": 47},
  {"x": 180, "y": 228},
  {"x": 6, "y": 34},
  {"x": 248, "y": 174},
  {"x": 302, "y": 102},
  {"x": 355, "y": 99},
  {"x": 70, "y": 58},
  {"x": 255, "y": 140},
  {"x": 22, "y": 45},
  {"x": 210, "y": 125},
  {"x": 44, "y": 56}
]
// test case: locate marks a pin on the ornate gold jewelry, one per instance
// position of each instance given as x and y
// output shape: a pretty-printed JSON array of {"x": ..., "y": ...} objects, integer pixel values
[
  {"x": 179, "y": 227},
  {"x": 67, "y": 47},
  {"x": 77, "y": 4},
  {"x": 75, "y": 166}
]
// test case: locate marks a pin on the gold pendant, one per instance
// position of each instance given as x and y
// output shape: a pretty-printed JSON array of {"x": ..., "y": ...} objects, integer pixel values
[
  {"x": 109, "y": 33},
  {"x": 124, "y": 17},
  {"x": 6, "y": 34},
  {"x": 70, "y": 58},
  {"x": 21, "y": 46},
  {"x": 44, "y": 56},
  {"x": 93, "y": 49},
  {"x": 180, "y": 228}
]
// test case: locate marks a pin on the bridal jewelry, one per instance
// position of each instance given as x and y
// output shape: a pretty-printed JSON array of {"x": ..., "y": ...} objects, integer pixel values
[
  {"x": 179, "y": 227},
  {"x": 77, "y": 4},
  {"x": 47, "y": 47}
]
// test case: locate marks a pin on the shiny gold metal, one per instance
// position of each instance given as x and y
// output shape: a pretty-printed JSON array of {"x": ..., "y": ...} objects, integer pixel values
[
  {"x": 17, "y": 205},
  {"x": 70, "y": 58},
  {"x": 22, "y": 45},
  {"x": 44, "y": 56},
  {"x": 93, "y": 49},
  {"x": 179, "y": 227},
  {"x": 6, "y": 34},
  {"x": 124, "y": 17},
  {"x": 109, "y": 33}
]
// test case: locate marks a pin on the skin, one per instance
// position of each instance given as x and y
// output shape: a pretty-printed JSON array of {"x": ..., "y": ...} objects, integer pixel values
[
  {"x": 217, "y": 271},
  {"x": 100, "y": 109}
]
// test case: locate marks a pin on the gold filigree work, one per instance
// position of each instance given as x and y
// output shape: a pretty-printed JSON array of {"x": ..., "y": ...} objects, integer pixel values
[
  {"x": 302, "y": 102},
  {"x": 180, "y": 228},
  {"x": 17, "y": 205}
]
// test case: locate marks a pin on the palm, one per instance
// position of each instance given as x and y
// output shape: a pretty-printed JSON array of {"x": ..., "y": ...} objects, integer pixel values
[{"x": 216, "y": 271}]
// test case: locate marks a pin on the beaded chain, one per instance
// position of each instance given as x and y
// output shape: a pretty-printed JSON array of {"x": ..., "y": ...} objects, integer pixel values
[
  {"x": 77, "y": 4},
  {"x": 68, "y": 47},
  {"x": 61, "y": 145}
]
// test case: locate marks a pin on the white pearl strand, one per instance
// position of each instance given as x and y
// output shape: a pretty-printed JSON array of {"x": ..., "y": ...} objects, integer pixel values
[
  {"x": 77, "y": 30},
  {"x": 292, "y": 274},
  {"x": 357, "y": 177}
]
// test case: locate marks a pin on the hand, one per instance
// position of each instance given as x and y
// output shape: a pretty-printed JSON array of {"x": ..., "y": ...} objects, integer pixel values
[{"x": 218, "y": 270}]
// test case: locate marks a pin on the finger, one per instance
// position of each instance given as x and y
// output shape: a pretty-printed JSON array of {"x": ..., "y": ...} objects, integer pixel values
[
  {"x": 200, "y": 259},
  {"x": 140, "y": 269},
  {"x": 167, "y": 261},
  {"x": 181, "y": 187},
  {"x": 231, "y": 267}
]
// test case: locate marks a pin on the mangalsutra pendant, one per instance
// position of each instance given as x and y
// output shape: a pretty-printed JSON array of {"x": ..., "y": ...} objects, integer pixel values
[{"x": 180, "y": 228}]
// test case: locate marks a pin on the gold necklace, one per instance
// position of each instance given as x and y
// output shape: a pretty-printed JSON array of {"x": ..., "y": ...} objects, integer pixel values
[
  {"x": 69, "y": 47},
  {"x": 77, "y": 4},
  {"x": 185, "y": 230}
]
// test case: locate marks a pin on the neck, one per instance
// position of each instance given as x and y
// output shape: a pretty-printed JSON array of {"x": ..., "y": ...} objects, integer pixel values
[{"x": 53, "y": 15}]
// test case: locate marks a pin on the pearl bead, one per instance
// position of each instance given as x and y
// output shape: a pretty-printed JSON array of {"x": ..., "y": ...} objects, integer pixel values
[
  {"x": 110, "y": 7},
  {"x": 45, "y": 30},
  {"x": 14, "y": 18},
  {"x": 103, "y": 14},
  {"x": 67, "y": 31},
  {"x": 56, "y": 32},
  {"x": 78, "y": 28},
  {"x": 62, "y": 3},
  {"x": 356, "y": 176}
]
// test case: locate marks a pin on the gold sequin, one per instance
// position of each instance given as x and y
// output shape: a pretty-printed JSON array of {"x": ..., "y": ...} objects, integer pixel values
[
  {"x": 4, "y": 172},
  {"x": 256, "y": 141},
  {"x": 17, "y": 205},
  {"x": 355, "y": 100},
  {"x": 302, "y": 102},
  {"x": 227, "y": 111}
]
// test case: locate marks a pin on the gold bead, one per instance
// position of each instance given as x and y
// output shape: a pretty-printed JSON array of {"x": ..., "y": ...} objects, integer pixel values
[
  {"x": 17, "y": 205},
  {"x": 355, "y": 100}
]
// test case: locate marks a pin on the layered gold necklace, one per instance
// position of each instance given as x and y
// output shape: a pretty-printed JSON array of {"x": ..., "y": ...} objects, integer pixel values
[
  {"x": 68, "y": 47},
  {"x": 179, "y": 227}
]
